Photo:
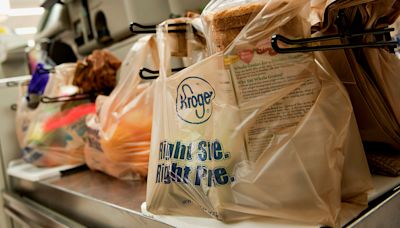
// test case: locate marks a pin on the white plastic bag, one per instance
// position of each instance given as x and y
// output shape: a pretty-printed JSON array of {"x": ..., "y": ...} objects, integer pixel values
[
  {"x": 249, "y": 132},
  {"x": 119, "y": 135},
  {"x": 53, "y": 133}
]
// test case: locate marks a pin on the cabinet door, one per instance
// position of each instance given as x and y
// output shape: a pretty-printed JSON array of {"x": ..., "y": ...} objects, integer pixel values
[
  {"x": 9, "y": 149},
  {"x": 27, "y": 213}
]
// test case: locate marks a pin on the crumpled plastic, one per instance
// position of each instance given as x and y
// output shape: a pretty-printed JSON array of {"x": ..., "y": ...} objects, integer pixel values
[
  {"x": 371, "y": 78},
  {"x": 120, "y": 134},
  {"x": 248, "y": 132},
  {"x": 53, "y": 133}
]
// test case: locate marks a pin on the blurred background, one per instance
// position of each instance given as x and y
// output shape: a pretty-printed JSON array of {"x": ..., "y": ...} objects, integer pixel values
[
  {"x": 59, "y": 31},
  {"x": 18, "y": 24}
]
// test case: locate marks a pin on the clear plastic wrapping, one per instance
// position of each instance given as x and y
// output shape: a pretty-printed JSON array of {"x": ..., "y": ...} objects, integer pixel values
[
  {"x": 53, "y": 133},
  {"x": 249, "y": 132},
  {"x": 225, "y": 19},
  {"x": 370, "y": 75},
  {"x": 119, "y": 135}
]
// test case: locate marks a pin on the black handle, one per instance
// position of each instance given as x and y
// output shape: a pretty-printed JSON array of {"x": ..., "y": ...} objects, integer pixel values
[
  {"x": 13, "y": 107},
  {"x": 304, "y": 42},
  {"x": 155, "y": 73},
  {"x": 75, "y": 97},
  {"x": 146, "y": 77},
  {"x": 148, "y": 28},
  {"x": 11, "y": 84},
  {"x": 137, "y": 28}
]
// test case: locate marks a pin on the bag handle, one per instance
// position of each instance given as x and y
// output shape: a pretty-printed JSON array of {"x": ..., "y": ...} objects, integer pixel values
[
  {"x": 137, "y": 57},
  {"x": 164, "y": 45},
  {"x": 153, "y": 74}
]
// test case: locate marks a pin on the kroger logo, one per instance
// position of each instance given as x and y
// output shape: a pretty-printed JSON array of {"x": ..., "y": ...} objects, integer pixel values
[{"x": 193, "y": 100}]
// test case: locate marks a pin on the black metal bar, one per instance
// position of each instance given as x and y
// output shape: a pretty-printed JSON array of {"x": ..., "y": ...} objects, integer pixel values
[
  {"x": 155, "y": 73},
  {"x": 331, "y": 47},
  {"x": 303, "y": 42},
  {"x": 142, "y": 76},
  {"x": 50, "y": 3},
  {"x": 75, "y": 97},
  {"x": 14, "y": 107},
  {"x": 145, "y": 29},
  {"x": 333, "y": 37},
  {"x": 148, "y": 28},
  {"x": 177, "y": 69},
  {"x": 74, "y": 170},
  {"x": 11, "y": 84}
]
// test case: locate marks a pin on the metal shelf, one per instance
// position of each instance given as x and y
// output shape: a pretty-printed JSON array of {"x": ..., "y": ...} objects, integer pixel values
[
  {"x": 90, "y": 198},
  {"x": 96, "y": 200}
]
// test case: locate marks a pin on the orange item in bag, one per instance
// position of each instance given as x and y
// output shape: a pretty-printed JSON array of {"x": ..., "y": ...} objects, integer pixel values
[{"x": 130, "y": 142}]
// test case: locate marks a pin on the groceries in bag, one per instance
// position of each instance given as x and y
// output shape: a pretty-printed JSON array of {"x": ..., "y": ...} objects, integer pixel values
[
  {"x": 370, "y": 75},
  {"x": 52, "y": 134},
  {"x": 119, "y": 134},
  {"x": 249, "y": 132},
  {"x": 119, "y": 141}
]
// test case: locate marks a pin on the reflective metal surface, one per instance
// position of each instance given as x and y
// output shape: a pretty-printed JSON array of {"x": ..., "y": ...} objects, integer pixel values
[
  {"x": 386, "y": 212},
  {"x": 22, "y": 221},
  {"x": 26, "y": 212},
  {"x": 96, "y": 200},
  {"x": 91, "y": 198}
]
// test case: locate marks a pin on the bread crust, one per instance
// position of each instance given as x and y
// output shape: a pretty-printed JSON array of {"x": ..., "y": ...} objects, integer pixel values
[
  {"x": 235, "y": 17},
  {"x": 227, "y": 24}
]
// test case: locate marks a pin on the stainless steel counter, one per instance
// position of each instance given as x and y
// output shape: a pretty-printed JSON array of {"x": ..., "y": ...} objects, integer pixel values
[
  {"x": 90, "y": 198},
  {"x": 97, "y": 200}
]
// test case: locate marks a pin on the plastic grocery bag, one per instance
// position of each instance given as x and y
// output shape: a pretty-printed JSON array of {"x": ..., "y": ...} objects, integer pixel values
[
  {"x": 53, "y": 133},
  {"x": 119, "y": 139},
  {"x": 95, "y": 158},
  {"x": 119, "y": 135},
  {"x": 385, "y": 67},
  {"x": 369, "y": 74},
  {"x": 250, "y": 132}
]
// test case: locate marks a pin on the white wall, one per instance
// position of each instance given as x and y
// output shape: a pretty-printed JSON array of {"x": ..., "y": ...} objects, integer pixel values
[{"x": 22, "y": 21}]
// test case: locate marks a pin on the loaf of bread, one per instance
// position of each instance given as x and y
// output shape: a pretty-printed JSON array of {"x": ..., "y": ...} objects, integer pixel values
[{"x": 226, "y": 24}]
